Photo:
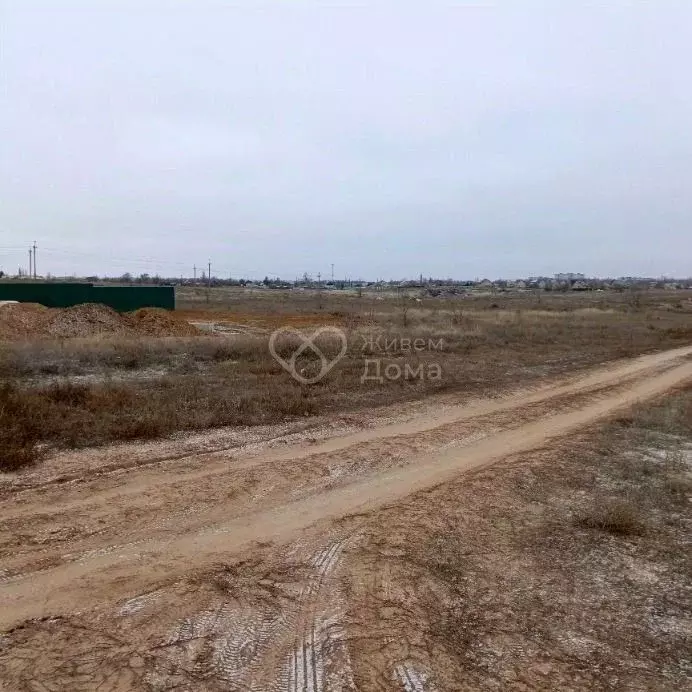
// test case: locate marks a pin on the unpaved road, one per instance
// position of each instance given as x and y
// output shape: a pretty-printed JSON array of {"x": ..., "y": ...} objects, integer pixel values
[{"x": 71, "y": 542}]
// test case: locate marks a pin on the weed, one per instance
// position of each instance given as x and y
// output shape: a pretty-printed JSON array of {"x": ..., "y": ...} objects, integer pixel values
[{"x": 619, "y": 517}]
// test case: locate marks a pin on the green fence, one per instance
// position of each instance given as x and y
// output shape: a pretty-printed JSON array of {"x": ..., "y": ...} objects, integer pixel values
[
  {"x": 63, "y": 295},
  {"x": 126, "y": 298}
]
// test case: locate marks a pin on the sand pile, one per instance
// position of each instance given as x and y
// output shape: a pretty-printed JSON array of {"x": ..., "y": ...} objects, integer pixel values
[
  {"x": 20, "y": 320},
  {"x": 84, "y": 320},
  {"x": 31, "y": 321},
  {"x": 160, "y": 322}
]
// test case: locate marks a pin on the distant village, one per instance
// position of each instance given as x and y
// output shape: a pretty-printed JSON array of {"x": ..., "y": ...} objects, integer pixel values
[
  {"x": 564, "y": 281},
  {"x": 435, "y": 286}
]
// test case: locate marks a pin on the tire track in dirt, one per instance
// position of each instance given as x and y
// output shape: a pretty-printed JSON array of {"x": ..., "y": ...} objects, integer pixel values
[
  {"x": 269, "y": 645},
  {"x": 412, "y": 678},
  {"x": 104, "y": 577},
  {"x": 319, "y": 659},
  {"x": 40, "y": 539},
  {"x": 141, "y": 479}
]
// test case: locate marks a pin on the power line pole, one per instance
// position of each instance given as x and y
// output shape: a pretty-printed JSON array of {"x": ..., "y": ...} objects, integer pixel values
[
  {"x": 29, "y": 274},
  {"x": 208, "y": 279},
  {"x": 194, "y": 273},
  {"x": 332, "y": 272},
  {"x": 34, "y": 260}
]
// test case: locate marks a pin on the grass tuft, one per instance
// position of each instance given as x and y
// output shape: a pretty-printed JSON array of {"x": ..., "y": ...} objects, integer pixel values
[{"x": 618, "y": 517}]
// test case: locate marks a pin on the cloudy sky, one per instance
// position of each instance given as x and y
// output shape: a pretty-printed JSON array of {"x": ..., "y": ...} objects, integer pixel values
[{"x": 389, "y": 138}]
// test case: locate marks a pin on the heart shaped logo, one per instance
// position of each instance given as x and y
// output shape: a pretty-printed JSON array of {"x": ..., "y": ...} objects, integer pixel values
[{"x": 307, "y": 342}]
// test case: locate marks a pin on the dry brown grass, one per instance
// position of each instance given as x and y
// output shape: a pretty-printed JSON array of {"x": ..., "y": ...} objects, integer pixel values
[
  {"x": 19, "y": 431},
  {"x": 620, "y": 517},
  {"x": 99, "y": 389},
  {"x": 76, "y": 415},
  {"x": 97, "y": 355},
  {"x": 276, "y": 302}
]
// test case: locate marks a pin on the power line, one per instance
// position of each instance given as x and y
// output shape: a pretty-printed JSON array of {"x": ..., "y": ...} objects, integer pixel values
[{"x": 104, "y": 263}]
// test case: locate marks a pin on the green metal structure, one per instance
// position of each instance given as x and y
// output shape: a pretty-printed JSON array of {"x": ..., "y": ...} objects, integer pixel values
[{"x": 54, "y": 294}]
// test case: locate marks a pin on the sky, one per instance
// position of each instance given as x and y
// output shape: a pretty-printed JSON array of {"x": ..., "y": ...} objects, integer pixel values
[{"x": 388, "y": 138}]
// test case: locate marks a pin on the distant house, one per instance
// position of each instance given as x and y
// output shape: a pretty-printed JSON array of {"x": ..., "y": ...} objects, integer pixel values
[{"x": 569, "y": 276}]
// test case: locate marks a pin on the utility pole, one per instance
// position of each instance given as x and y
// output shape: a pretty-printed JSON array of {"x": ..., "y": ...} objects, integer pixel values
[
  {"x": 29, "y": 274},
  {"x": 194, "y": 273},
  {"x": 332, "y": 272},
  {"x": 208, "y": 279},
  {"x": 34, "y": 260}
]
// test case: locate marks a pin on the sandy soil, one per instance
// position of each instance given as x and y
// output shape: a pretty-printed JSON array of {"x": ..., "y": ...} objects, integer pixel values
[
  {"x": 30, "y": 321},
  {"x": 120, "y": 534}
]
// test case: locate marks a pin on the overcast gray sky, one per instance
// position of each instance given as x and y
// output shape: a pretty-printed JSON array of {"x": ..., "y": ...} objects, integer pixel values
[{"x": 389, "y": 138}]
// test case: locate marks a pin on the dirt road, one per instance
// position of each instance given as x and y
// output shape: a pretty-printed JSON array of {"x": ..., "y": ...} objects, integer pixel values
[{"x": 70, "y": 541}]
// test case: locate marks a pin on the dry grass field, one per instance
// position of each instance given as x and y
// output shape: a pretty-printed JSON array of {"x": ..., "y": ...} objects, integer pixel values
[
  {"x": 178, "y": 512},
  {"x": 110, "y": 386}
]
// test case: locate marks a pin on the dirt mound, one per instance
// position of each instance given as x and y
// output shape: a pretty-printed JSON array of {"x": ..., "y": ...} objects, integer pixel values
[
  {"x": 32, "y": 321},
  {"x": 85, "y": 320},
  {"x": 160, "y": 322},
  {"x": 22, "y": 320}
]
